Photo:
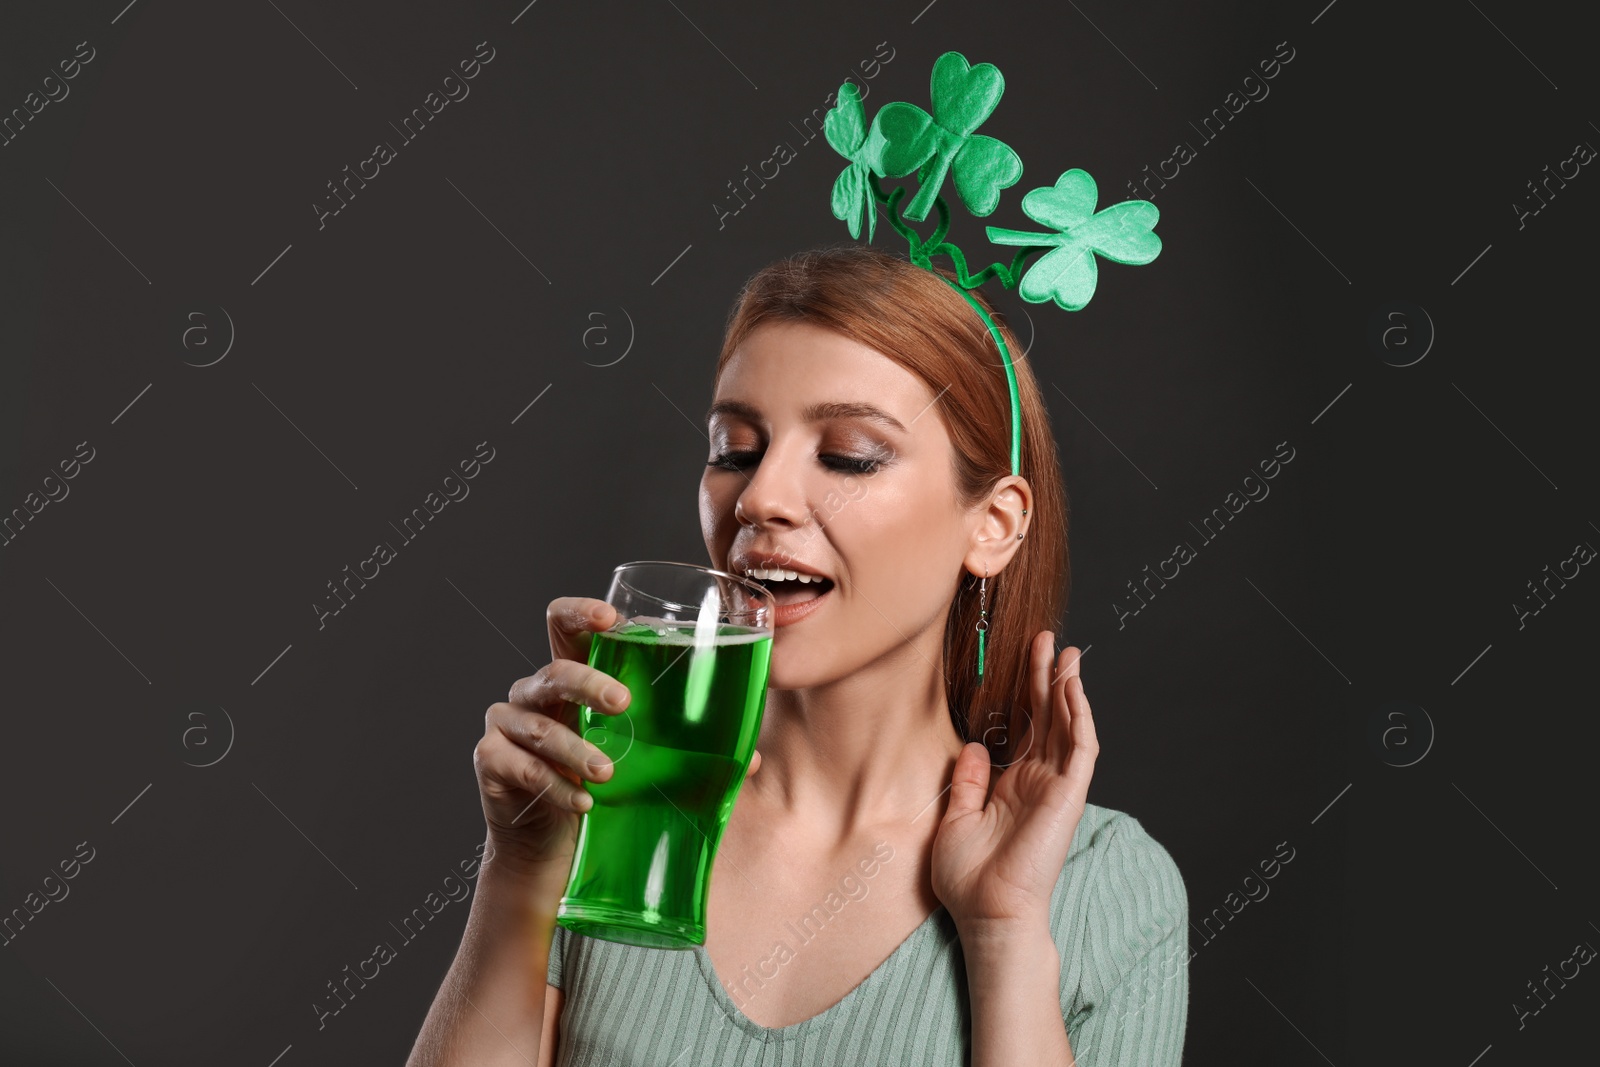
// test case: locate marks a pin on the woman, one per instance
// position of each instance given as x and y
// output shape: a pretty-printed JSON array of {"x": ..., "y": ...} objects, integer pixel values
[{"x": 911, "y": 873}]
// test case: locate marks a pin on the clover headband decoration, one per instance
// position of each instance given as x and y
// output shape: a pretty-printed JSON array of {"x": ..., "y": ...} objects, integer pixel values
[{"x": 903, "y": 139}]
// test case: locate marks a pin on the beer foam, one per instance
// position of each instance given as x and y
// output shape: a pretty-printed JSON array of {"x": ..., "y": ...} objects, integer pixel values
[{"x": 645, "y": 629}]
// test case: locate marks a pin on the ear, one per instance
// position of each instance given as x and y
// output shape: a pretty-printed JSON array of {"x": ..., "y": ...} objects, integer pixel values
[{"x": 997, "y": 522}]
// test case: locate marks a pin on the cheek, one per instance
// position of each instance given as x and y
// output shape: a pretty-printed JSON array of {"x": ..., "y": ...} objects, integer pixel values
[
  {"x": 716, "y": 514},
  {"x": 708, "y": 512},
  {"x": 901, "y": 544}
]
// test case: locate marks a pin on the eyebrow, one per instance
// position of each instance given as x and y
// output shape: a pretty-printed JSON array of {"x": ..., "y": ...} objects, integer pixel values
[{"x": 832, "y": 409}]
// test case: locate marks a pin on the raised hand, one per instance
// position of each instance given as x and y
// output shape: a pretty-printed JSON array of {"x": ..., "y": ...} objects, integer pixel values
[{"x": 995, "y": 864}]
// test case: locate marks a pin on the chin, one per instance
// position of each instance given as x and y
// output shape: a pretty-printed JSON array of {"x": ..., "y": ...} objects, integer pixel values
[
  {"x": 790, "y": 676},
  {"x": 801, "y": 668}
]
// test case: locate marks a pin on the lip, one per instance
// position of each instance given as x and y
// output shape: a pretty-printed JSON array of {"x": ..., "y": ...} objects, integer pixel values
[
  {"x": 789, "y": 614},
  {"x": 784, "y": 614}
]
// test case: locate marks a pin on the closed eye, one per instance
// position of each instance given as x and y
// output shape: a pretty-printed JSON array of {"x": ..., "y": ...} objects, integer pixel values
[
  {"x": 734, "y": 461},
  {"x": 851, "y": 464}
]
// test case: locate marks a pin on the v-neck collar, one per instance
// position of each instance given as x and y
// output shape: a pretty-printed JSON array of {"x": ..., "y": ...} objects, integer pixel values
[{"x": 939, "y": 918}]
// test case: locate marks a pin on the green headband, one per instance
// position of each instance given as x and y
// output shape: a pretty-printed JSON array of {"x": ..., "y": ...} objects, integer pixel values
[{"x": 903, "y": 138}]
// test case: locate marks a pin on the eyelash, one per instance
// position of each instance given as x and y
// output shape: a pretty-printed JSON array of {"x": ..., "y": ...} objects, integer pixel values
[{"x": 844, "y": 464}]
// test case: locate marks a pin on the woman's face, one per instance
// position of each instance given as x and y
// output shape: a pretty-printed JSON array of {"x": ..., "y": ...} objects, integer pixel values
[{"x": 828, "y": 459}]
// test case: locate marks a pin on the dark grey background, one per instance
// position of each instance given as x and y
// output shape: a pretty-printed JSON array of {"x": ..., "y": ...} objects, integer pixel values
[{"x": 1244, "y": 707}]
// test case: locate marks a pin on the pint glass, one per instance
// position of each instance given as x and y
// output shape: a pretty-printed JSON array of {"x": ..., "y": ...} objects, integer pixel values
[{"x": 692, "y": 646}]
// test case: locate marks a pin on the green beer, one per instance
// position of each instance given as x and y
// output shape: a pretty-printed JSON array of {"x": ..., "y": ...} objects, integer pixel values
[{"x": 642, "y": 868}]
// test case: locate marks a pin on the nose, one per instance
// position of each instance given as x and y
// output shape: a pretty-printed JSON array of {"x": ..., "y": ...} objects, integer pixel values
[{"x": 774, "y": 495}]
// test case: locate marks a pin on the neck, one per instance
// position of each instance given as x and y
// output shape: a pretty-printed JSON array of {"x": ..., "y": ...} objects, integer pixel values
[{"x": 870, "y": 749}]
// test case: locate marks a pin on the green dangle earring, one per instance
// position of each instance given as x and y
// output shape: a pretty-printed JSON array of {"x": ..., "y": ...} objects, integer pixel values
[
  {"x": 983, "y": 619},
  {"x": 903, "y": 139}
]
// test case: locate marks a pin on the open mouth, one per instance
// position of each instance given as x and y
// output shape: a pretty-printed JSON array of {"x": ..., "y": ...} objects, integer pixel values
[{"x": 790, "y": 587}]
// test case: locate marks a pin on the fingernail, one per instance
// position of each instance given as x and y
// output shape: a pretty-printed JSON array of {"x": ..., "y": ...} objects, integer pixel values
[
  {"x": 599, "y": 765},
  {"x": 614, "y": 695}
]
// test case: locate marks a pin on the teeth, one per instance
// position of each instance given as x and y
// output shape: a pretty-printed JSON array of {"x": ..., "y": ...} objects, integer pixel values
[{"x": 776, "y": 574}]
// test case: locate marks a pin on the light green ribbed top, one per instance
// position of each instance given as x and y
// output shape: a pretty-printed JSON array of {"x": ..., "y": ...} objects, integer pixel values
[{"x": 1120, "y": 920}]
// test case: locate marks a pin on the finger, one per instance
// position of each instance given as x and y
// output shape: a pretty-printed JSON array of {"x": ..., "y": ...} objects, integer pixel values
[
  {"x": 755, "y": 761},
  {"x": 571, "y": 619},
  {"x": 1042, "y": 651},
  {"x": 551, "y": 741},
  {"x": 530, "y": 780},
  {"x": 1058, "y": 747},
  {"x": 1074, "y": 664},
  {"x": 568, "y": 682},
  {"x": 1085, "y": 744},
  {"x": 969, "y": 782}
]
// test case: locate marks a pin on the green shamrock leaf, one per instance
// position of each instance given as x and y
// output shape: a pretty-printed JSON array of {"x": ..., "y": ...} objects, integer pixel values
[
  {"x": 845, "y": 126},
  {"x": 905, "y": 138},
  {"x": 1067, "y": 273}
]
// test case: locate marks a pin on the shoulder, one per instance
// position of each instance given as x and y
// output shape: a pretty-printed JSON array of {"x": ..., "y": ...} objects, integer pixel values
[
  {"x": 1120, "y": 895},
  {"x": 1118, "y": 858}
]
